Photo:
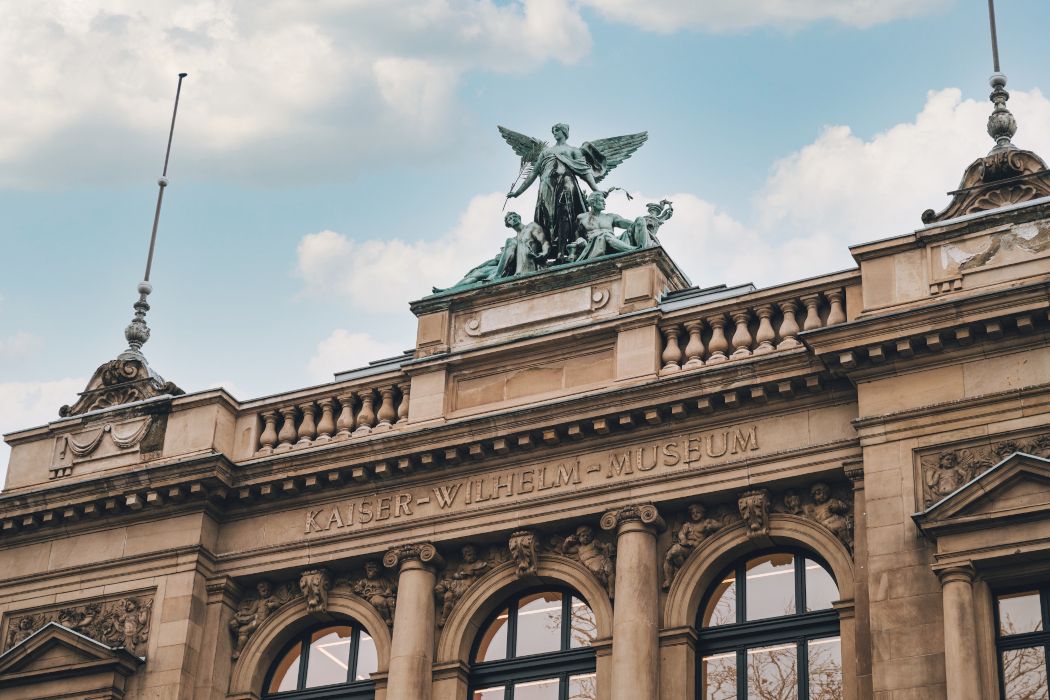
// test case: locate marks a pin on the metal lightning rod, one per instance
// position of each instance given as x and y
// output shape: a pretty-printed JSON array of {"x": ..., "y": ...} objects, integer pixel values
[
  {"x": 137, "y": 332},
  {"x": 1001, "y": 124},
  {"x": 995, "y": 39}
]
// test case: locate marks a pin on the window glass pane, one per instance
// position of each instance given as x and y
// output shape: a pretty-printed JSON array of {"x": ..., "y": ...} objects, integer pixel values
[
  {"x": 329, "y": 659},
  {"x": 719, "y": 679},
  {"x": 489, "y": 694},
  {"x": 583, "y": 687},
  {"x": 539, "y": 624},
  {"x": 286, "y": 672},
  {"x": 583, "y": 627},
  {"x": 1019, "y": 612},
  {"x": 721, "y": 608},
  {"x": 1024, "y": 674},
  {"x": 493, "y": 645},
  {"x": 537, "y": 690},
  {"x": 821, "y": 590},
  {"x": 771, "y": 672},
  {"x": 367, "y": 658},
  {"x": 770, "y": 586},
  {"x": 825, "y": 669}
]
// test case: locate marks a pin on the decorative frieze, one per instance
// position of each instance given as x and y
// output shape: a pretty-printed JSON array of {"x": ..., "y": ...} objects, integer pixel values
[
  {"x": 255, "y": 608},
  {"x": 596, "y": 555},
  {"x": 124, "y": 622},
  {"x": 944, "y": 472},
  {"x": 458, "y": 578},
  {"x": 685, "y": 538},
  {"x": 379, "y": 591}
]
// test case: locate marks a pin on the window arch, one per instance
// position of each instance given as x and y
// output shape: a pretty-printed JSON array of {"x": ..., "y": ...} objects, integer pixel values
[
  {"x": 767, "y": 630},
  {"x": 326, "y": 661},
  {"x": 536, "y": 646}
]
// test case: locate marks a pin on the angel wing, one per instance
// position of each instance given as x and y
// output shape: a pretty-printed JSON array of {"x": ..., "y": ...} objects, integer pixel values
[
  {"x": 525, "y": 146},
  {"x": 606, "y": 154}
]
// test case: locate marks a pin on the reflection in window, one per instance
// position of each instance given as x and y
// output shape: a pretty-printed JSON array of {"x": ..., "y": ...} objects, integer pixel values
[
  {"x": 1022, "y": 641},
  {"x": 339, "y": 656},
  {"x": 536, "y": 647},
  {"x": 768, "y": 631}
]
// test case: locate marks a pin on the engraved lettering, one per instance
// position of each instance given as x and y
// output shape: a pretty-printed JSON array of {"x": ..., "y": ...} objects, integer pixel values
[
  {"x": 311, "y": 521},
  {"x": 742, "y": 442},
  {"x": 501, "y": 485},
  {"x": 365, "y": 514},
  {"x": 525, "y": 481},
  {"x": 671, "y": 454},
  {"x": 642, "y": 466},
  {"x": 543, "y": 479},
  {"x": 384, "y": 508},
  {"x": 350, "y": 513},
  {"x": 618, "y": 466},
  {"x": 692, "y": 453},
  {"x": 403, "y": 507},
  {"x": 711, "y": 445},
  {"x": 592, "y": 468},
  {"x": 422, "y": 500},
  {"x": 334, "y": 519},
  {"x": 446, "y": 495},
  {"x": 570, "y": 475}
]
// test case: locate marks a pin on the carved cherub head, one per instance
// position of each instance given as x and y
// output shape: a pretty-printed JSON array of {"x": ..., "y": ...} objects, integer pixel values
[
  {"x": 584, "y": 534},
  {"x": 470, "y": 553},
  {"x": 512, "y": 219},
  {"x": 792, "y": 501},
  {"x": 264, "y": 589},
  {"x": 948, "y": 460},
  {"x": 371, "y": 570},
  {"x": 696, "y": 512},
  {"x": 820, "y": 492}
]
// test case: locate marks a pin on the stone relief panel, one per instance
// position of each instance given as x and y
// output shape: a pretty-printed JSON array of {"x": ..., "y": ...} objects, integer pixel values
[
  {"x": 830, "y": 506},
  {"x": 945, "y": 471},
  {"x": 461, "y": 574},
  {"x": 255, "y": 608},
  {"x": 377, "y": 589},
  {"x": 122, "y": 622},
  {"x": 144, "y": 433},
  {"x": 596, "y": 555}
]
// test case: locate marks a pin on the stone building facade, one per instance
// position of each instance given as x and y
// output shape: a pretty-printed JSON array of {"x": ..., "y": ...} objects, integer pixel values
[{"x": 596, "y": 481}]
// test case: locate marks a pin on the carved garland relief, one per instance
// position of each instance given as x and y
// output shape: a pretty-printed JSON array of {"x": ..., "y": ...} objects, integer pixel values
[{"x": 124, "y": 622}]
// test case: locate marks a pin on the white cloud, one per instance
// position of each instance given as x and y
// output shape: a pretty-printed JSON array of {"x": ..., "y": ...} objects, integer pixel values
[
  {"x": 343, "y": 350},
  {"x": 19, "y": 345},
  {"x": 29, "y": 404},
  {"x": 278, "y": 87},
  {"x": 712, "y": 15}
]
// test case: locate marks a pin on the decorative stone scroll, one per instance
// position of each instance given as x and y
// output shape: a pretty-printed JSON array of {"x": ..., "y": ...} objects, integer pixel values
[
  {"x": 944, "y": 472},
  {"x": 124, "y": 622},
  {"x": 522, "y": 546},
  {"x": 119, "y": 382},
  {"x": 423, "y": 552},
  {"x": 645, "y": 513},
  {"x": 380, "y": 592},
  {"x": 315, "y": 584},
  {"x": 597, "y": 556}
]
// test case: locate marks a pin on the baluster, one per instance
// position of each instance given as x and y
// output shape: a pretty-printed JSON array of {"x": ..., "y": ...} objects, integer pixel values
[
  {"x": 838, "y": 311},
  {"x": 694, "y": 349},
  {"x": 345, "y": 423},
  {"x": 812, "y": 302},
  {"x": 269, "y": 434},
  {"x": 288, "y": 432},
  {"x": 366, "y": 417},
  {"x": 718, "y": 346},
  {"x": 742, "y": 334},
  {"x": 789, "y": 326},
  {"x": 326, "y": 426},
  {"x": 308, "y": 426},
  {"x": 402, "y": 408},
  {"x": 765, "y": 335},
  {"x": 387, "y": 412},
  {"x": 672, "y": 354}
]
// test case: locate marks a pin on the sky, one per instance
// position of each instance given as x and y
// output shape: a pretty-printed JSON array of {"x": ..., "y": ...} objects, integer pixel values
[{"x": 334, "y": 160}]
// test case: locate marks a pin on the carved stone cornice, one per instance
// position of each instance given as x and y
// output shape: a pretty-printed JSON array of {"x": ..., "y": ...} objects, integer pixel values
[
  {"x": 423, "y": 552},
  {"x": 644, "y": 513}
]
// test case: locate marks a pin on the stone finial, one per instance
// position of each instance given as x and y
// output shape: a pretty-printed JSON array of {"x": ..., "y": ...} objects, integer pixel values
[
  {"x": 1001, "y": 123},
  {"x": 137, "y": 332}
]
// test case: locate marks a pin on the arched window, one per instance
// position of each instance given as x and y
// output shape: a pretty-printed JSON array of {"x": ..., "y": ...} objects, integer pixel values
[
  {"x": 767, "y": 631},
  {"x": 333, "y": 661},
  {"x": 536, "y": 647}
]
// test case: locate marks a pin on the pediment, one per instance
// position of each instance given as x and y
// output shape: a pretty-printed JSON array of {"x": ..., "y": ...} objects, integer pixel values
[
  {"x": 57, "y": 651},
  {"x": 1017, "y": 487}
]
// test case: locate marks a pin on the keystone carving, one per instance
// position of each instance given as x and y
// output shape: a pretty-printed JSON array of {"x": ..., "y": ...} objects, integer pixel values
[
  {"x": 458, "y": 579},
  {"x": 754, "y": 510},
  {"x": 597, "y": 556},
  {"x": 692, "y": 532},
  {"x": 945, "y": 472},
  {"x": 117, "y": 623},
  {"x": 522, "y": 546},
  {"x": 315, "y": 584},
  {"x": 380, "y": 592},
  {"x": 254, "y": 609}
]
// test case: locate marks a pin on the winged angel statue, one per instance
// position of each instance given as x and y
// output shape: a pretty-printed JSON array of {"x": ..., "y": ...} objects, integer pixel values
[{"x": 560, "y": 201}]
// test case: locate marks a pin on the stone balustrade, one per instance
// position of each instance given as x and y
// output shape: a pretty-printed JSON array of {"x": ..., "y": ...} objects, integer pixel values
[
  {"x": 343, "y": 415},
  {"x": 712, "y": 334}
]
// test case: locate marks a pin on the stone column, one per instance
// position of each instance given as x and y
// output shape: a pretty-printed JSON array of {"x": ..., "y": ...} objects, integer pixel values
[
  {"x": 961, "y": 664},
  {"x": 635, "y": 661},
  {"x": 412, "y": 644}
]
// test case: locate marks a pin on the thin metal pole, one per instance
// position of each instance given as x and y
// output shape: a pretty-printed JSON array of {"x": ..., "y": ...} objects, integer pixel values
[
  {"x": 995, "y": 39},
  {"x": 163, "y": 182}
]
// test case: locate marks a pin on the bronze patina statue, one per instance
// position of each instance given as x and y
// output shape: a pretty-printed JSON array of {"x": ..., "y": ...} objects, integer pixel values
[{"x": 558, "y": 168}]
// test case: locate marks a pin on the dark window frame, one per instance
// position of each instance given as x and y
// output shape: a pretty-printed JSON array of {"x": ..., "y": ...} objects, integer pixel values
[
  {"x": 737, "y": 637},
  {"x": 1024, "y": 639},
  {"x": 560, "y": 665},
  {"x": 349, "y": 690}
]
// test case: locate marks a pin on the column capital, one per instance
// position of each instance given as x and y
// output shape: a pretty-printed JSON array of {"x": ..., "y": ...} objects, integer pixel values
[
  {"x": 644, "y": 514},
  {"x": 959, "y": 573},
  {"x": 423, "y": 552},
  {"x": 854, "y": 469}
]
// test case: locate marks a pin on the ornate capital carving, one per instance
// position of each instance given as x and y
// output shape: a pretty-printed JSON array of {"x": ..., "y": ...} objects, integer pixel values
[
  {"x": 423, "y": 552},
  {"x": 645, "y": 513},
  {"x": 854, "y": 470}
]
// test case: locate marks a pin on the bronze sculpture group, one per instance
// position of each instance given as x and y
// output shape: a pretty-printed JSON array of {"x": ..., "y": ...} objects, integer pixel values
[{"x": 568, "y": 226}]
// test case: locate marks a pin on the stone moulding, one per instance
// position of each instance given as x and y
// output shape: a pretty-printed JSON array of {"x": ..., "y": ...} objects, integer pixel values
[{"x": 116, "y": 622}]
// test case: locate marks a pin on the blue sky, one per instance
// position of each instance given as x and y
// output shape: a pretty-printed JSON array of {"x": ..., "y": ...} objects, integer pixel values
[{"x": 334, "y": 160}]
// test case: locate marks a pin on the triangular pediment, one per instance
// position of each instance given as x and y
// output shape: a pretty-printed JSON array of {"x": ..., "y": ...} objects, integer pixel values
[
  {"x": 1017, "y": 487},
  {"x": 57, "y": 649}
]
